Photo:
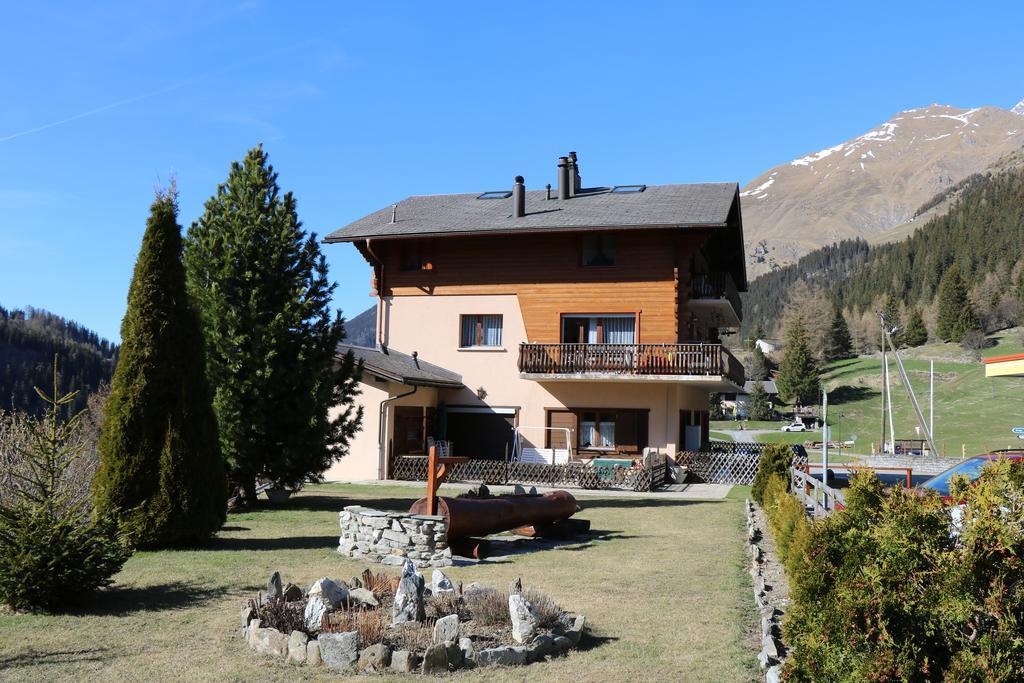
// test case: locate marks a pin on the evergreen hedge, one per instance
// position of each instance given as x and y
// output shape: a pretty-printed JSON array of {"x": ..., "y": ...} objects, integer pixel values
[
  {"x": 160, "y": 468},
  {"x": 775, "y": 460}
]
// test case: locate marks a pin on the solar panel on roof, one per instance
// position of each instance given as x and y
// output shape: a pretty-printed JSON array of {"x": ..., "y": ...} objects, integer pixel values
[
  {"x": 499, "y": 194},
  {"x": 628, "y": 189}
]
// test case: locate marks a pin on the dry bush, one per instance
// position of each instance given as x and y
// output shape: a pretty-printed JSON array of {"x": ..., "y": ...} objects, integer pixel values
[
  {"x": 545, "y": 605},
  {"x": 284, "y": 616},
  {"x": 412, "y": 636},
  {"x": 443, "y": 604},
  {"x": 370, "y": 624},
  {"x": 489, "y": 606},
  {"x": 381, "y": 585}
]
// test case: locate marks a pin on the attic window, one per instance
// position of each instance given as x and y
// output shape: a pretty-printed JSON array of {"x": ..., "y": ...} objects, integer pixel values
[
  {"x": 498, "y": 194},
  {"x": 628, "y": 189}
]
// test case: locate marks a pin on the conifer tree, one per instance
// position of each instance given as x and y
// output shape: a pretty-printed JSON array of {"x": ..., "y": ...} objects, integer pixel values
[
  {"x": 893, "y": 319},
  {"x": 917, "y": 333},
  {"x": 956, "y": 313},
  {"x": 798, "y": 375},
  {"x": 838, "y": 343},
  {"x": 160, "y": 467},
  {"x": 760, "y": 404},
  {"x": 261, "y": 286},
  {"x": 757, "y": 367}
]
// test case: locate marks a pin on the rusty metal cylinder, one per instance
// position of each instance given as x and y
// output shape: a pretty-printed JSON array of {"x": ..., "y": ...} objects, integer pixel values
[{"x": 483, "y": 516}]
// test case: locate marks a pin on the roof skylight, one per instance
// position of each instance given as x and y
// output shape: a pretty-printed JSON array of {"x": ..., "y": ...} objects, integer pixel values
[
  {"x": 628, "y": 189},
  {"x": 497, "y": 194}
]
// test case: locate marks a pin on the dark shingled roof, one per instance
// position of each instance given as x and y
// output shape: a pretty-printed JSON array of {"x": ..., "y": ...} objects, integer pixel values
[
  {"x": 769, "y": 387},
  {"x": 670, "y": 206},
  {"x": 403, "y": 368}
]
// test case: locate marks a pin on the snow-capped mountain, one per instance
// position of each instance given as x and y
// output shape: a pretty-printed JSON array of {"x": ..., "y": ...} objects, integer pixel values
[{"x": 874, "y": 183}]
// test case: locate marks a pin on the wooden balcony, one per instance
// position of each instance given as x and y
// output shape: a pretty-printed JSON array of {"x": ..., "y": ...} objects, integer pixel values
[
  {"x": 697, "y": 363},
  {"x": 717, "y": 294}
]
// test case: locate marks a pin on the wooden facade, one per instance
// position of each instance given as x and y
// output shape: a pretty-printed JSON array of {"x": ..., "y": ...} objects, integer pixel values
[{"x": 650, "y": 278}]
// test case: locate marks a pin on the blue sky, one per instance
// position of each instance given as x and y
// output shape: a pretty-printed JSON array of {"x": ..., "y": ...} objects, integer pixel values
[{"x": 362, "y": 105}]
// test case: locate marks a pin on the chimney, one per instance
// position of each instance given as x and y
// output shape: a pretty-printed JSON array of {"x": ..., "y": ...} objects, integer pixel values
[
  {"x": 576, "y": 181},
  {"x": 563, "y": 177},
  {"x": 519, "y": 198},
  {"x": 572, "y": 177}
]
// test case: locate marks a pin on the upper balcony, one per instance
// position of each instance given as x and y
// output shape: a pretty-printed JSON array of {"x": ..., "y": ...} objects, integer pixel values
[
  {"x": 714, "y": 298},
  {"x": 706, "y": 365}
]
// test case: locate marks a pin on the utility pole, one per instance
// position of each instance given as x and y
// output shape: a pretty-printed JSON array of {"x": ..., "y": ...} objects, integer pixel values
[
  {"x": 888, "y": 397},
  {"x": 931, "y": 400},
  {"x": 910, "y": 392},
  {"x": 825, "y": 434},
  {"x": 885, "y": 364}
]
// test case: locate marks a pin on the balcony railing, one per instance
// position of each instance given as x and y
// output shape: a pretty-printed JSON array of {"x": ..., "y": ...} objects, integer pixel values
[
  {"x": 716, "y": 286},
  {"x": 630, "y": 359}
]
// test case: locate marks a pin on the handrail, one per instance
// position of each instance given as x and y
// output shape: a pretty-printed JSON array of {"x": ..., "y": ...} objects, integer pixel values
[
  {"x": 630, "y": 359},
  {"x": 716, "y": 286},
  {"x": 815, "y": 494}
]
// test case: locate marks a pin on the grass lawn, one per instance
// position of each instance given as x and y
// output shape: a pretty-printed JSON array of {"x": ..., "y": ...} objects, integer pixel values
[
  {"x": 733, "y": 425},
  {"x": 971, "y": 411},
  {"x": 665, "y": 591},
  {"x": 720, "y": 436}
]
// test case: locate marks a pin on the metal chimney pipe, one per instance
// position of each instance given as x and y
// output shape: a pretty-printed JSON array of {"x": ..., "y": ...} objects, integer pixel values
[
  {"x": 548, "y": 188},
  {"x": 576, "y": 180},
  {"x": 519, "y": 198},
  {"x": 563, "y": 178},
  {"x": 572, "y": 176}
]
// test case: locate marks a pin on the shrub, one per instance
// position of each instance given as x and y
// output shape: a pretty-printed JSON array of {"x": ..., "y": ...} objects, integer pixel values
[
  {"x": 549, "y": 611},
  {"x": 51, "y": 552},
  {"x": 370, "y": 624},
  {"x": 788, "y": 521},
  {"x": 280, "y": 614},
  {"x": 489, "y": 606},
  {"x": 775, "y": 459}
]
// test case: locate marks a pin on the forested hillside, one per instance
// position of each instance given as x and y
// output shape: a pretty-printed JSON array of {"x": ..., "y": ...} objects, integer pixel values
[
  {"x": 28, "y": 341},
  {"x": 982, "y": 234}
]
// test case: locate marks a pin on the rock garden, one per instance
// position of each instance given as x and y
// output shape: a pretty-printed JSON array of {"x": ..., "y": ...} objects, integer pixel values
[{"x": 375, "y": 623}]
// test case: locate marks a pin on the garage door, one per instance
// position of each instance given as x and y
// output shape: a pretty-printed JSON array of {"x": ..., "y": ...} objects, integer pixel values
[{"x": 478, "y": 433}]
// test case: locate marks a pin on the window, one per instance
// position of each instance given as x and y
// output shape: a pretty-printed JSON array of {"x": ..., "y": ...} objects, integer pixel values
[
  {"x": 628, "y": 189},
  {"x": 612, "y": 430},
  {"x": 414, "y": 257},
  {"x": 598, "y": 250},
  {"x": 480, "y": 330},
  {"x": 599, "y": 329},
  {"x": 497, "y": 194},
  {"x": 597, "y": 430}
]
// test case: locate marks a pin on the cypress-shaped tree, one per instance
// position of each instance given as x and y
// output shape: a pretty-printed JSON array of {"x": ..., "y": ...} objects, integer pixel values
[
  {"x": 160, "y": 467},
  {"x": 893, "y": 319},
  {"x": 917, "y": 333},
  {"x": 798, "y": 374},
  {"x": 261, "y": 286},
  {"x": 956, "y": 313},
  {"x": 838, "y": 342}
]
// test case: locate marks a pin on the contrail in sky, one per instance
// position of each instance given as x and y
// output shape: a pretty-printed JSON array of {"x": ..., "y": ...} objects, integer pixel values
[
  {"x": 106, "y": 107},
  {"x": 146, "y": 96}
]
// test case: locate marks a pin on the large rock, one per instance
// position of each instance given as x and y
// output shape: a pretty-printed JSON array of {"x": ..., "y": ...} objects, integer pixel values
[
  {"x": 408, "y": 604},
  {"x": 316, "y": 608},
  {"x": 269, "y": 641},
  {"x": 275, "y": 588},
  {"x": 468, "y": 649},
  {"x": 375, "y": 658},
  {"x": 339, "y": 651},
  {"x": 292, "y": 593},
  {"x": 404, "y": 661},
  {"x": 439, "y": 583},
  {"x": 248, "y": 614},
  {"x": 446, "y": 629},
  {"x": 575, "y": 632},
  {"x": 297, "y": 643},
  {"x": 363, "y": 597},
  {"x": 506, "y": 655},
  {"x": 329, "y": 591},
  {"x": 525, "y": 618},
  {"x": 541, "y": 647},
  {"x": 435, "y": 659}
]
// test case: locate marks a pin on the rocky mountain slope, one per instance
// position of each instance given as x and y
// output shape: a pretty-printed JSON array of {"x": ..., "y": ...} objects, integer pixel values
[{"x": 873, "y": 184}]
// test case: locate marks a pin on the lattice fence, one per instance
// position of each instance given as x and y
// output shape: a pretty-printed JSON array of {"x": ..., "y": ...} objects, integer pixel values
[
  {"x": 573, "y": 474},
  {"x": 730, "y": 463}
]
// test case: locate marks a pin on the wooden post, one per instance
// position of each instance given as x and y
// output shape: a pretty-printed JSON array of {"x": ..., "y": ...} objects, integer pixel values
[{"x": 437, "y": 472}]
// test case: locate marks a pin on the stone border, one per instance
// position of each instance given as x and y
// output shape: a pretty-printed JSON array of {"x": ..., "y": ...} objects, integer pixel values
[
  {"x": 391, "y": 538},
  {"x": 341, "y": 652},
  {"x": 772, "y": 650}
]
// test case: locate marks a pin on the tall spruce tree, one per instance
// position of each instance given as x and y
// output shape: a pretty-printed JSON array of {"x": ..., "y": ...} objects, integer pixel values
[
  {"x": 893, "y": 319},
  {"x": 160, "y": 467},
  {"x": 261, "y": 286},
  {"x": 917, "y": 333},
  {"x": 838, "y": 342},
  {"x": 798, "y": 374},
  {"x": 760, "y": 403},
  {"x": 956, "y": 313}
]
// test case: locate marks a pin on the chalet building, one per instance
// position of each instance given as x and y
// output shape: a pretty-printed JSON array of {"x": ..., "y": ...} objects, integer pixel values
[{"x": 563, "y": 322}]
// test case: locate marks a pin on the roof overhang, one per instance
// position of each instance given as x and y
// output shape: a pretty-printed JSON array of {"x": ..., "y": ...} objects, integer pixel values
[
  {"x": 504, "y": 231},
  {"x": 1005, "y": 366}
]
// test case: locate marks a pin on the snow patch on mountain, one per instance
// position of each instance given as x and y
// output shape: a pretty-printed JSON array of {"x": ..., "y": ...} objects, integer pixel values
[{"x": 1019, "y": 108}]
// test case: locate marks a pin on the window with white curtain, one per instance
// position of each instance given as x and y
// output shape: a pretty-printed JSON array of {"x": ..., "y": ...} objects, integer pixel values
[
  {"x": 597, "y": 430},
  {"x": 480, "y": 330},
  {"x": 612, "y": 328}
]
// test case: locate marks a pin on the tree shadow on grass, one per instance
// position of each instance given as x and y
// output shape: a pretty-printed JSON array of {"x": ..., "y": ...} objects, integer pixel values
[
  {"x": 326, "y": 503},
  {"x": 34, "y": 658},
  {"x": 281, "y": 543},
  {"x": 123, "y": 600},
  {"x": 593, "y": 503},
  {"x": 589, "y": 641},
  {"x": 847, "y": 394}
]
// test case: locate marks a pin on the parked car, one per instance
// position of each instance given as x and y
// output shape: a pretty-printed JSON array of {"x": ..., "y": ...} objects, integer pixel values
[
  {"x": 795, "y": 427},
  {"x": 970, "y": 468}
]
